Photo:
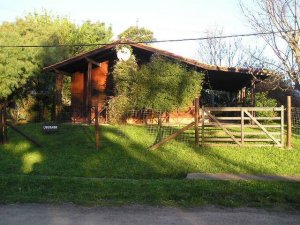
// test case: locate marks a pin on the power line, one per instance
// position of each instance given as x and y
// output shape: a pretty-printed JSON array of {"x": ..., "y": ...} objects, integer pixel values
[{"x": 149, "y": 42}]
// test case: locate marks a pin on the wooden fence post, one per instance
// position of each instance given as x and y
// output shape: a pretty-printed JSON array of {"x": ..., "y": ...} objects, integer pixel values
[
  {"x": 5, "y": 125},
  {"x": 202, "y": 126},
  {"x": 196, "y": 103},
  {"x": 97, "y": 127},
  {"x": 1, "y": 127},
  {"x": 289, "y": 122},
  {"x": 242, "y": 125},
  {"x": 282, "y": 126}
]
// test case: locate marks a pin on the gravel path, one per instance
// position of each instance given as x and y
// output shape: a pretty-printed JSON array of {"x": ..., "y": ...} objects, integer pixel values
[{"x": 69, "y": 214}]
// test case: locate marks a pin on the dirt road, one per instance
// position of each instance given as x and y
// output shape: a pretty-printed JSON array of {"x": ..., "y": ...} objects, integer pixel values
[{"x": 69, "y": 214}]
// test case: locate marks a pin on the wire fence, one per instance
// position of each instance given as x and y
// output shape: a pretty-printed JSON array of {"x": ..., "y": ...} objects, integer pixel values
[
  {"x": 161, "y": 124},
  {"x": 156, "y": 125},
  {"x": 296, "y": 121}
]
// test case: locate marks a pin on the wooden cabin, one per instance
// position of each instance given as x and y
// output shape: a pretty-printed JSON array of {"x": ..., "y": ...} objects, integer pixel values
[{"x": 92, "y": 82}]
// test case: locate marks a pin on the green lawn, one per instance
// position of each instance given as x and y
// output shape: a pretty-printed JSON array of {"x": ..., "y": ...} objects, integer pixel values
[
  {"x": 153, "y": 177},
  {"x": 170, "y": 192},
  {"x": 124, "y": 154}
]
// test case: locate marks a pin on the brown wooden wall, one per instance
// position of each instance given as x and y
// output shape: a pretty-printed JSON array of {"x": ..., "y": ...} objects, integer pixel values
[
  {"x": 99, "y": 85},
  {"x": 77, "y": 89}
]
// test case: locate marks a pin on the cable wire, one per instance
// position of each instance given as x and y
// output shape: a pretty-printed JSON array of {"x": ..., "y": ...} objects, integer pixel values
[{"x": 148, "y": 42}]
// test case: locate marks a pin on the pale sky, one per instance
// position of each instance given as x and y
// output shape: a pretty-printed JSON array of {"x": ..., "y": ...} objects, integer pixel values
[{"x": 168, "y": 19}]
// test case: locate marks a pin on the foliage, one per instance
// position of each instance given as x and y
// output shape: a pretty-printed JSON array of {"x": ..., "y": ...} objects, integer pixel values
[
  {"x": 122, "y": 73},
  {"x": 24, "y": 109},
  {"x": 160, "y": 84},
  {"x": 118, "y": 107},
  {"x": 66, "y": 93},
  {"x": 89, "y": 33},
  {"x": 164, "y": 85},
  {"x": 218, "y": 98},
  {"x": 262, "y": 100},
  {"x": 20, "y": 66},
  {"x": 137, "y": 34}
]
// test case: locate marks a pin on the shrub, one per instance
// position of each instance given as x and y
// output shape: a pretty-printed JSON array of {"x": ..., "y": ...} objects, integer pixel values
[
  {"x": 122, "y": 73},
  {"x": 164, "y": 85},
  {"x": 262, "y": 100},
  {"x": 117, "y": 109}
]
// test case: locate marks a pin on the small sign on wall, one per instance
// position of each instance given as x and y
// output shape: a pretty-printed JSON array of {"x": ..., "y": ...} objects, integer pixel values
[{"x": 50, "y": 128}]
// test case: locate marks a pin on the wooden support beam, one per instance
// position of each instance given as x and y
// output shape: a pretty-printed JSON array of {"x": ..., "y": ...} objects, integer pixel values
[
  {"x": 93, "y": 61},
  {"x": 58, "y": 96},
  {"x": 243, "y": 96},
  {"x": 289, "y": 122},
  {"x": 89, "y": 92},
  {"x": 252, "y": 94},
  {"x": 171, "y": 137},
  {"x": 61, "y": 72},
  {"x": 97, "y": 138}
]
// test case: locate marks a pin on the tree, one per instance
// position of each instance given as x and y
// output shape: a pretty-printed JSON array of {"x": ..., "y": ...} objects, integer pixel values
[
  {"x": 278, "y": 18},
  {"x": 221, "y": 52},
  {"x": 162, "y": 84},
  {"x": 20, "y": 66},
  {"x": 90, "y": 33},
  {"x": 137, "y": 34}
]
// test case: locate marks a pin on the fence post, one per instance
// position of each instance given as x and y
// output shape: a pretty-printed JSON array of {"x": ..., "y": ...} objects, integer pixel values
[
  {"x": 1, "y": 127},
  {"x": 282, "y": 126},
  {"x": 196, "y": 103},
  {"x": 289, "y": 122},
  {"x": 202, "y": 126},
  {"x": 97, "y": 126},
  {"x": 242, "y": 125},
  {"x": 5, "y": 125}
]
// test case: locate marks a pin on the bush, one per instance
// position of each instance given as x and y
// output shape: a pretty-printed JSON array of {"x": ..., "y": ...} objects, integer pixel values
[
  {"x": 118, "y": 108},
  {"x": 164, "y": 85},
  {"x": 160, "y": 84},
  {"x": 122, "y": 73},
  {"x": 25, "y": 110},
  {"x": 262, "y": 100}
]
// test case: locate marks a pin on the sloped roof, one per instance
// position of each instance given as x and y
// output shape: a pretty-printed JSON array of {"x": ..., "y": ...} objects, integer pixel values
[{"x": 217, "y": 77}]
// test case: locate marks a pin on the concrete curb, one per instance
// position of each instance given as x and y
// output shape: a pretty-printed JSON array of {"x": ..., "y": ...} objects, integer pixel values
[{"x": 227, "y": 176}]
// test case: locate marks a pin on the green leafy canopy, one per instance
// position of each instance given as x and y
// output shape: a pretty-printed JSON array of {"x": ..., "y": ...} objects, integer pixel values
[
  {"x": 160, "y": 84},
  {"x": 18, "y": 65},
  {"x": 137, "y": 34},
  {"x": 165, "y": 85}
]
